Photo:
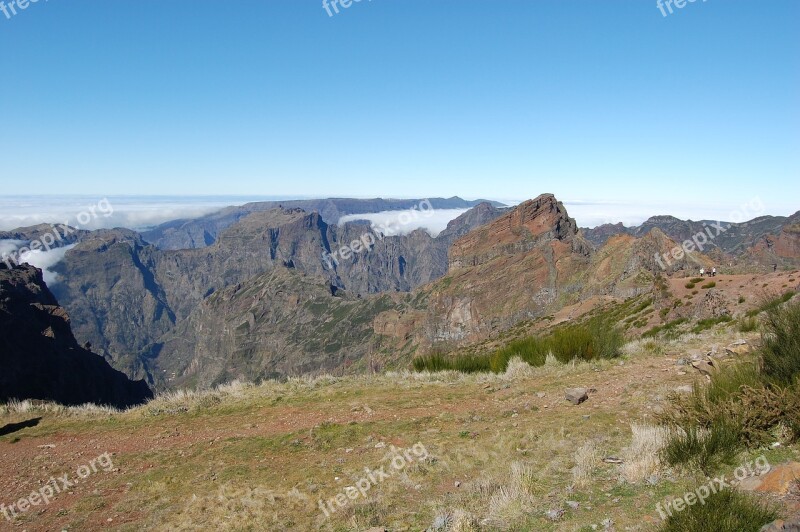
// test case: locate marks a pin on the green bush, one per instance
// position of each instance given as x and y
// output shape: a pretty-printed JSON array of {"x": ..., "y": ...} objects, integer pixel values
[
  {"x": 690, "y": 285},
  {"x": 697, "y": 280},
  {"x": 770, "y": 304},
  {"x": 704, "y": 449},
  {"x": 439, "y": 362},
  {"x": 745, "y": 404},
  {"x": 707, "y": 323},
  {"x": 780, "y": 358},
  {"x": 591, "y": 340},
  {"x": 708, "y": 285},
  {"x": 727, "y": 510}
]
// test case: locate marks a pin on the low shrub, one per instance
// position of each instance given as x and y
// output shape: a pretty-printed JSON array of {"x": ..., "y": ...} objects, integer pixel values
[
  {"x": 780, "y": 359},
  {"x": 708, "y": 285},
  {"x": 704, "y": 449},
  {"x": 770, "y": 303}
]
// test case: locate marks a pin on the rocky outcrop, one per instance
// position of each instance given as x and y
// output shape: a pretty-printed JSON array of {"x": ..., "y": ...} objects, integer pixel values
[
  {"x": 518, "y": 231},
  {"x": 41, "y": 358}
]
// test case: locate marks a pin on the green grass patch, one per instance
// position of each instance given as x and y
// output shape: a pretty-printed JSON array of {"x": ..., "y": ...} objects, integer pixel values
[
  {"x": 748, "y": 324},
  {"x": 724, "y": 511},
  {"x": 594, "y": 339},
  {"x": 666, "y": 328},
  {"x": 708, "y": 285},
  {"x": 707, "y": 323}
]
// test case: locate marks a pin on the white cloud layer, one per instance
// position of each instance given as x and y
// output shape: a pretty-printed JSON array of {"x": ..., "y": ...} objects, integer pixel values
[
  {"x": 133, "y": 212},
  {"x": 44, "y": 259},
  {"x": 406, "y": 221}
]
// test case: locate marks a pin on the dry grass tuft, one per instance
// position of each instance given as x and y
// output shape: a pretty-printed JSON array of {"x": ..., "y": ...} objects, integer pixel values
[
  {"x": 515, "y": 498},
  {"x": 518, "y": 369},
  {"x": 15, "y": 406},
  {"x": 642, "y": 457},
  {"x": 587, "y": 458}
]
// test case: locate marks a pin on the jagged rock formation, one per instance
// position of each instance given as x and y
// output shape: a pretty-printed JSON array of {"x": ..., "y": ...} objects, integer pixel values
[{"x": 41, "y": 358}]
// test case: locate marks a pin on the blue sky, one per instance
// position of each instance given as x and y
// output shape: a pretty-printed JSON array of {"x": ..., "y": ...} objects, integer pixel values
[{"x": 596, "y": 101}]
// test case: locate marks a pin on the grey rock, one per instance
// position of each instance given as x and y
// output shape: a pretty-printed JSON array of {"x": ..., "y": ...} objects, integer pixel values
[{"x": 576, "y": 396}]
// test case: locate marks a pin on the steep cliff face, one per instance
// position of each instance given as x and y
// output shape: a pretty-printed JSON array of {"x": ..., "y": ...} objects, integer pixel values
[
  {"x": 278, "y": 324},
  {"x": 41, "y": 358}
]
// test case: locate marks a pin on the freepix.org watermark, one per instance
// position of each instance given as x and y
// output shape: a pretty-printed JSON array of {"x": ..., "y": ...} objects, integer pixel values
[
  {"x": 332, "y": 6},
  {"x": 747, "y": 211},
  {"x": 753, "y": 468},
  {"x": 45, "y": 494},
  {"x": 10, "y": 9},
  {"x": 400, "y": 459},
  {"x": 666, "y": 5},
  {"x": 49, "y": 239},
  {"x": 423, "y": 210}
]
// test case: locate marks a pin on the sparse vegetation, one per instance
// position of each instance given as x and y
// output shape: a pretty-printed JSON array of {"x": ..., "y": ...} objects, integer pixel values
[
  {"x": 710, "y": 284},
  {"x": 668, "y": 328}
]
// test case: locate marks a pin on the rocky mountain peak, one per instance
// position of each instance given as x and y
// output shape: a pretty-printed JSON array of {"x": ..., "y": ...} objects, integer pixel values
[{"x": 518, "y": 231}]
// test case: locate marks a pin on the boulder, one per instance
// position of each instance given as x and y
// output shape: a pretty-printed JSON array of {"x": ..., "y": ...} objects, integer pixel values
[
  {"x": 792, "y": 525},
  {"x": 739, "y": 348},
  {"x": 706, "y": 367},
  {"x": 576, "y": 395}
]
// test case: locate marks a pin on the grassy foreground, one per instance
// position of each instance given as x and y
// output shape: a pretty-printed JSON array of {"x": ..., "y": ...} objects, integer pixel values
[{"x": 501, "y": 452}]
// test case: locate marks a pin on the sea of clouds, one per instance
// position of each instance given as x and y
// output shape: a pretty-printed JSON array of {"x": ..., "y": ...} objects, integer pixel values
[{"x": 132, "y": 212}]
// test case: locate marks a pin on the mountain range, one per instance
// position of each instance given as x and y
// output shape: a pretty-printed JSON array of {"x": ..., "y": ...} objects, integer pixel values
[{"x": 252, "y": 292}]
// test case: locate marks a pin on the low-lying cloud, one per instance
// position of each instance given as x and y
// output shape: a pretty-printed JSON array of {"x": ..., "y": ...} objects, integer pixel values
[
  {"x": 132, "y": 212},
  {"x": 44, "y": 259},
  {"x": 405, "y": 222}
]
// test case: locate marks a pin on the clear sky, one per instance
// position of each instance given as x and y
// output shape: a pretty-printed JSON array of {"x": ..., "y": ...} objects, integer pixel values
[{"x": 597, "y": 101}]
